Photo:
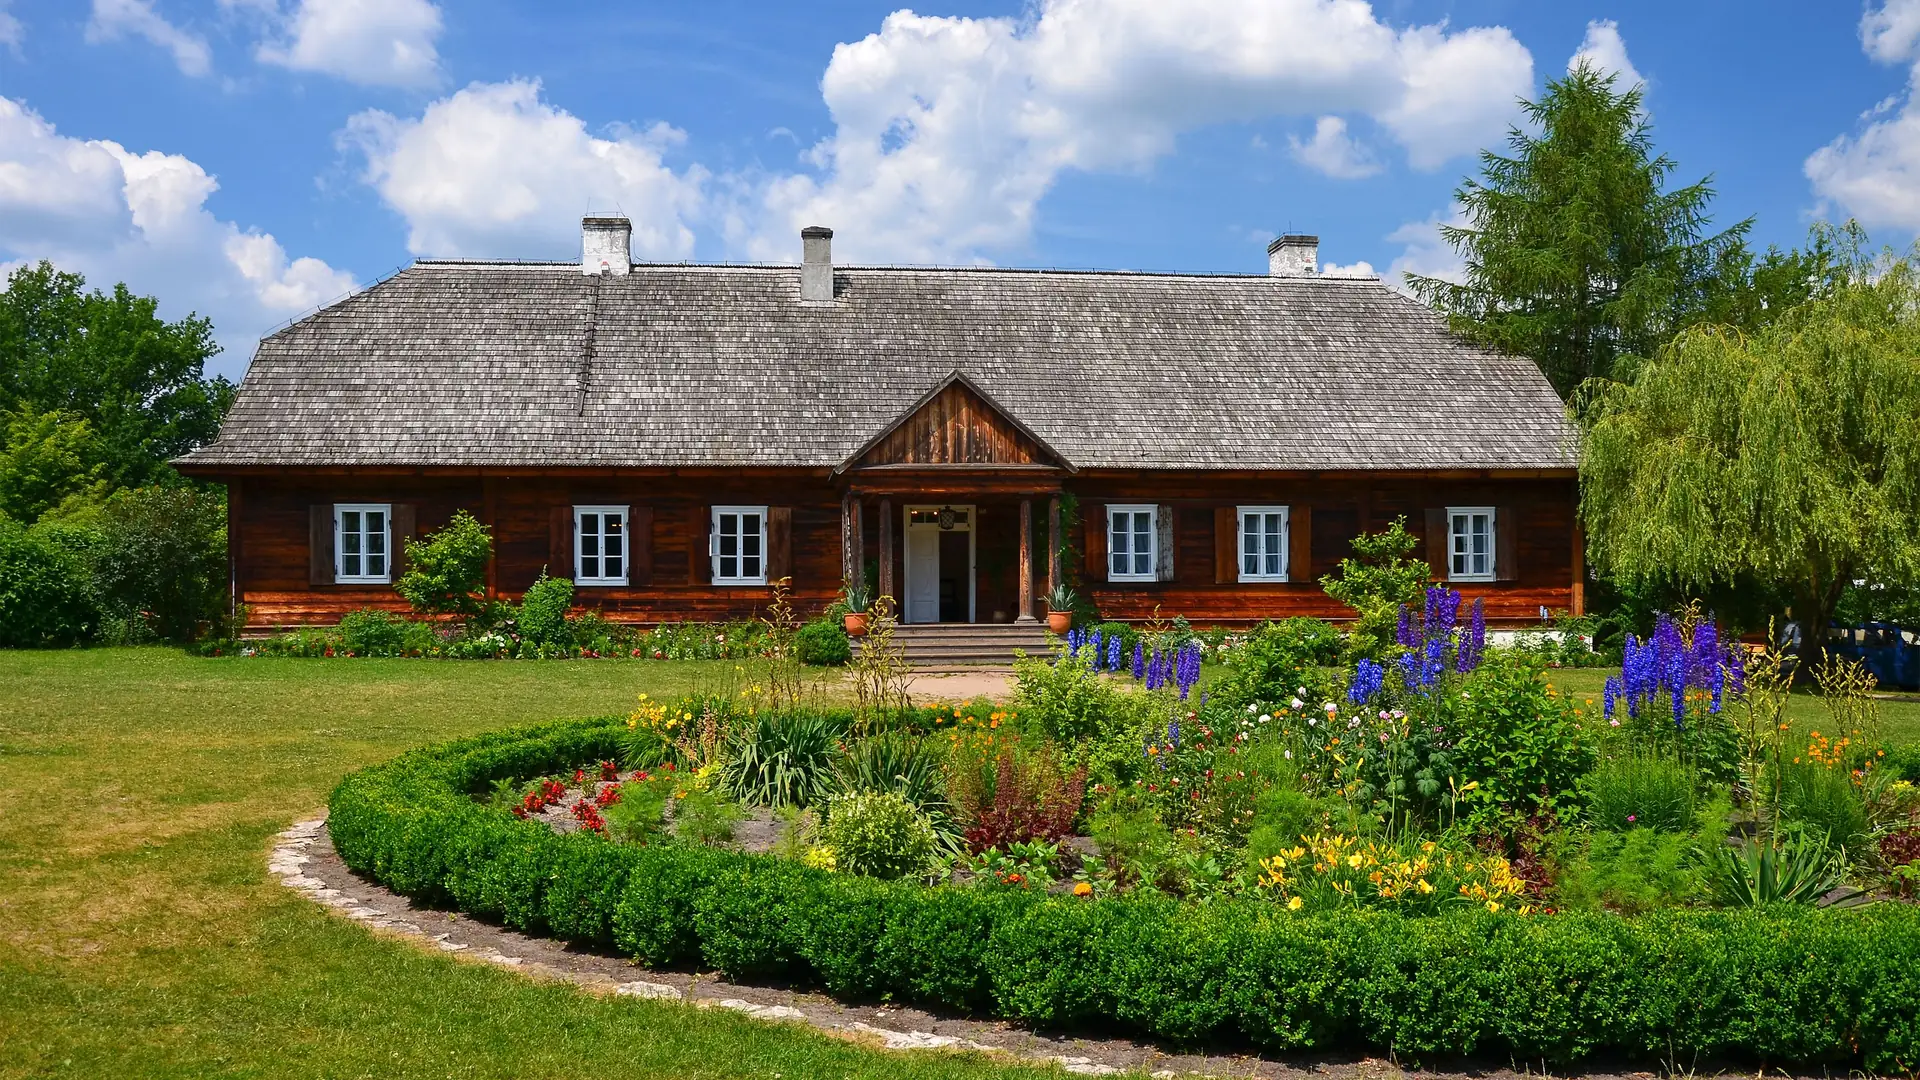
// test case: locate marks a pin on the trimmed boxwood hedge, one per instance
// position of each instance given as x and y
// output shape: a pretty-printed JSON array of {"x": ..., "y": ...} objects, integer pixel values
[{"x": 1780, "y": 987}]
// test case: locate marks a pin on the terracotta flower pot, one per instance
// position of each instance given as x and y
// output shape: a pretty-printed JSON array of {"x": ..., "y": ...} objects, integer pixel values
[
  {"x": 1059, "y": 621},
  {"x": 856, "y": 623}
]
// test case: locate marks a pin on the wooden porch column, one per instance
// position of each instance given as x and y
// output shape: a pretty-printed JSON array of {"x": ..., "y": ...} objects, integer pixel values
[
  {"x": 1053, "y": 543},
  {"x": 886, "y": 550},
  {"x": 846, "y": 537},
  {"x": 1026, "y": 562},
  {"x": 858, "y": 554}
]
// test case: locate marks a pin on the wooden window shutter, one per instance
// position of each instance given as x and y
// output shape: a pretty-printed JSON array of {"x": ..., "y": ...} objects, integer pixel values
[
  {"x": 1163, "y": 543},
  {"x": 405, "y": 518},
  {"x": 1437, "y": 525},
  {"x": 640, "y": 545},
  {"x": 1094, "y": 517},
  {"x": 320, "y": 544},
  {"x": 699, "y": 550},
  {"x": 1300, "y": 543},
  {"x": 779, "y": 542},
  {"x": 560, "y": 542},
  {"x": 1226, "y": 545},
  {"x": 1506, "y": 544}
]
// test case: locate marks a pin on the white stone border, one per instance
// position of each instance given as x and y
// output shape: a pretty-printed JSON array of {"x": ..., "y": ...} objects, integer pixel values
[{"x": 290, "y": 855}]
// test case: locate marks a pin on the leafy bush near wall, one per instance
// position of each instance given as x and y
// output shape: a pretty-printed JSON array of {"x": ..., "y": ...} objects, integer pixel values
[
  {"x": 1800, "y": 987},
  {"x": 823, "y": 643},
  {"x": 543, "y": 611},
  {"x": 46, "y": 593}
]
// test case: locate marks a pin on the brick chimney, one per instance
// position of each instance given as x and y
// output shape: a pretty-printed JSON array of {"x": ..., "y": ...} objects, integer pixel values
[
  {"x": 1294, "y": 255},
  {"x": 606, "y": 245},
  {"x": 816, "y": 264}
]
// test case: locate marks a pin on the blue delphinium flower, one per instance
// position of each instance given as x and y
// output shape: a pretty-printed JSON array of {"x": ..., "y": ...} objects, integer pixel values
[
  {"x": 1173, "y": 733},
  {"x": 1153, "y": 671},
  {"x": 1611, "y": 697},
  {"x": 1404, "y": 636},
  {"x": 1474, "y": 647},
  {"x": 1139, "y": 661},
  {"x": 1094, "y": 645},
  {"x": 1187, "y": 670},
  {"x": 1368, "y": 678},
  {"x": 1113, "y": 652}
]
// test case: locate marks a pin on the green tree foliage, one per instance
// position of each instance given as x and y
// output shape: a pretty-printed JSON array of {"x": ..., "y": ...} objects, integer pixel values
[
  {"x": 543, "y": 611},
  {"x": 1374, "y": 582},
  {"x": 447, "y": 570},
  {"x": 1576, "y": 251},
  {"x": 46, "y": 595},
  {"x": 162, "y": 559},
  {"x": 45, "y": 459},
  {"x": 1789, "y": 456},
  {"x": 108, "y": 358}
]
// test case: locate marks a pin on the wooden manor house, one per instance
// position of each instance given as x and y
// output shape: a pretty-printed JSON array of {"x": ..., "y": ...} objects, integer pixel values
[{"x": 674, "y": 438}]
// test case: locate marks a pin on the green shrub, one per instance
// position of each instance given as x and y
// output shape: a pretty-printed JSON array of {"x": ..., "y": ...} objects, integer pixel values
[
  {"x": 1519, "y": 741},
  {"x": 1065, "y": 701},
  {"x": 1276, "y": 660},
  {"x": 369, "y": 632},
  {"x": 879, "y": 834},
  {"x": 164, "y": 558},
  {"x": 1641, "y": 790},
  {"x": 447, "y": 569},
  {"x": 823, "y": 643},
  {"x": 542, "y": 615},
  {"x": 784, "y": 758},
  {"x": 1378, "y": 578},
  {"x": 1801, "y": 988},
  {"x": 46, "y": 594},
  {"x": 701, "y": 817},
  {"x": 911, "y": 767}
]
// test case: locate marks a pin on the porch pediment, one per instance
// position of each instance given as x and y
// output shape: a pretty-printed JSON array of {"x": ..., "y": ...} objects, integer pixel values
[{"x": 955, "y": 425}]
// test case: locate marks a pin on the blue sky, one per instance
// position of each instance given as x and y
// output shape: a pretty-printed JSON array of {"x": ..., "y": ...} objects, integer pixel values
[{"x": 250, "y": 159}]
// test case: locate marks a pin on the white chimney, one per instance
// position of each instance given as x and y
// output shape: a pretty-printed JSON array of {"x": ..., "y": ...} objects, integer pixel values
[
  {"x": 816, "y": 264},
  {"x": 1293, "y": 255},
  {"x": 606, "y": 245}
]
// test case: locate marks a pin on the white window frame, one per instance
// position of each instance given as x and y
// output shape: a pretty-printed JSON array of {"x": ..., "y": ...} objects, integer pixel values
[
  {"x": 1454, "y": 515},
  {"x": 1240, "y": 542},
  {"x": 1153, "y": 541},
  {"x": 340, "y": 512},
  {"x": 713, "y": 545},
  {"x": 580, "y": 577}
]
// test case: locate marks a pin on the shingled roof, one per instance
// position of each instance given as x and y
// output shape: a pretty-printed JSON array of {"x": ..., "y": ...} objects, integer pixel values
[{"x": 517, "y": 364}]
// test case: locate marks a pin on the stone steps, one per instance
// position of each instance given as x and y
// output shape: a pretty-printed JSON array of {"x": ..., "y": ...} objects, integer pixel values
[{"x": 970, "y": 645}]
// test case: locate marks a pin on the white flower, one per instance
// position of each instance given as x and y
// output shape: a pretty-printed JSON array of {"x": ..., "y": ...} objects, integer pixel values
[
  {"x": 1301, "y": 690},
  {"x": 1398, "y": 715},
  {"x": 1332, "y": 708},
  {"x": 1253, "y": 709},
  {"x": 1353, "y": 723},
  {"x": 1289, "y": 754},
  {"x": 1265, "y": 717},
  {"x": 1313, "y": 722},
  {"x": 1296, "y": 703}
]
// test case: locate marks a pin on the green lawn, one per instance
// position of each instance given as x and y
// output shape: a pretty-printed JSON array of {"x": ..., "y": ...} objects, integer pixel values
[{"x": 140, "y": 935}]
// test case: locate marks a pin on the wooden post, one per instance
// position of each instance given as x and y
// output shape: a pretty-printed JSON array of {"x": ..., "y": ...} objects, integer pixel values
[
  {"x": 846, "y": 537},
  {"x": 1053, "y": 544},
  {"x": 1026, "y": 562},
  {"x": 490, "y": 514},
  {"x": 886, "y": 550},
  {"x": 1579, "y": 570},
  {"x": 236, "y": 553},
  {"x": 859, "y": 542}
]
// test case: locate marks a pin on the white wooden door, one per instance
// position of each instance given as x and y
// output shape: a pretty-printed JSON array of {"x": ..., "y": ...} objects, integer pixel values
[{"x": 923, "y": 575}]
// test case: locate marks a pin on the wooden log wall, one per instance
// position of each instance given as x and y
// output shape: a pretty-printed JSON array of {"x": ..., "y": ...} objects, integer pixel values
[{"x": 271, "y": 545}]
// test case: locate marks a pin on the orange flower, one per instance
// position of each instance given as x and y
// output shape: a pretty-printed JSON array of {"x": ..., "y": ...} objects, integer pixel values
[{"x": 1083, "y": 889}]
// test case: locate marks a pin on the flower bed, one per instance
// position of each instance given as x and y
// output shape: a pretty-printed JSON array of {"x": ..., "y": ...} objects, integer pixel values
[{"x": 1785, "y": 987}]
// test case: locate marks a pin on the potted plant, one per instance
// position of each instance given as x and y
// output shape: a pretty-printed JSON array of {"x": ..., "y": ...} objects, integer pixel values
[
  {"x": 857, "y": 600},
  {"x": 1060, "y": 603}
]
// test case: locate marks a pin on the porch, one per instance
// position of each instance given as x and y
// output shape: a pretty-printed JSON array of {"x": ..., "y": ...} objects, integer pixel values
[{"x": 955, "y": 553}]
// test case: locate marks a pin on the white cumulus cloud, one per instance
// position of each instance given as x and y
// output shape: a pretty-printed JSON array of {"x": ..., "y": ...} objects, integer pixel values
[
  {"x": 1873, "y": 174},
  {"x": 1605, "y": 51},
  {"x": 115, "y": 19},
  {"x": 949, "y": 131},
  {"x": 494, "y": 171},
  {"x": 116, "y": 215},
  {"x": 1424, "y": 253},
  {"x": 369, "y": 42},
  {"x": 1361, "y": 269},
  {"x": 1333, "y": 152},
  {"x": 12, "y": 31}
]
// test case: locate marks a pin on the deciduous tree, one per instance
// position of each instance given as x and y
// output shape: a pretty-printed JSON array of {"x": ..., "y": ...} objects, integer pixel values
[{"x": 1788, "y": 456}]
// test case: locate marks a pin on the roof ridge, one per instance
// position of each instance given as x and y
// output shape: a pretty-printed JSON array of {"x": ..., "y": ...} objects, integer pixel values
[{"x": 929, "y": 268}]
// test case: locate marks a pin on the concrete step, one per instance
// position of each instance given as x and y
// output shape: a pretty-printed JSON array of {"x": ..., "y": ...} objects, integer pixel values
[{"x": 959, "y": 645}]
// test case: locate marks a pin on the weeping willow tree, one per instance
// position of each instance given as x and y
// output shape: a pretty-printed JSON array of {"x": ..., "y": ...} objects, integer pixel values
[{"x": 1789, "y": 456}]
